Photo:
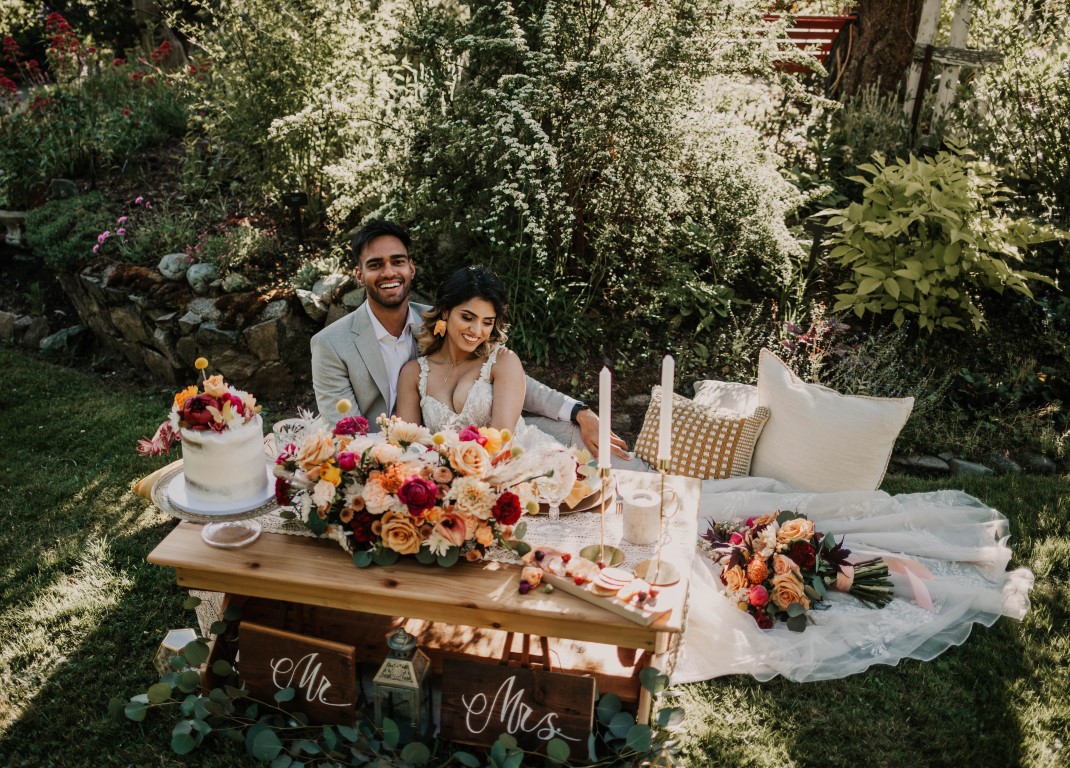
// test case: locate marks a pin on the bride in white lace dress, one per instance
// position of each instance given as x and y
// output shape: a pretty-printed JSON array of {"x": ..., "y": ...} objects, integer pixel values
[{"x": 465, "y": 376}]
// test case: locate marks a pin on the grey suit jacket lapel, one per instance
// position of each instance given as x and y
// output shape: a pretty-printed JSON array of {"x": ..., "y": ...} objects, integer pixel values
[{"x": 368, "y": 349}]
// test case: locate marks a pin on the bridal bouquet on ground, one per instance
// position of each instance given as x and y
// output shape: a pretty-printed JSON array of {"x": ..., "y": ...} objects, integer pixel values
[
  {"x": 777, "y": 567},
  {"x": 405, "y": 491}
]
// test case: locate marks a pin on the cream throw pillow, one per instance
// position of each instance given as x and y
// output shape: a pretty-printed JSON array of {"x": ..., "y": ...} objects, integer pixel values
[
  {"x": 726, "y": 395},
  {"x": 820, "y": 440},
  {"x": 706, "y": 443}
]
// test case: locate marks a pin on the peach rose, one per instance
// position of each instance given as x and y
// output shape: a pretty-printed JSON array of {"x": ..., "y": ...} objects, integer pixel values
[
  {"x": 400, "y": 534},
  {"x": 470, "y": 458},
  {"x": 783, "y": 564},
  {"x": 735, "y": 578},
  {"x": 473, "y": 555},
  {"x": 315, "y": 450},
  {"x": 385, "y": 453},
  {"x": 484, "y": 535},
  {"x": 215, "y": 386},
  {"x": 799, "y": 528},
  {"x": 788, "y": 589},
  {"x": 443, "y": 475}
]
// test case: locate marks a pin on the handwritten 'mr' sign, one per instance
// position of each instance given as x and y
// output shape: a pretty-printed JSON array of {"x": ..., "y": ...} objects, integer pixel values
[
  {"x": 322, "y": 674},
  {"x": 481, "y": 701}
]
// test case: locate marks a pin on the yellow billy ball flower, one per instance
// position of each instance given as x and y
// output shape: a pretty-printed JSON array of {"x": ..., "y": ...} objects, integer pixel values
[
  {"x": 533, "y": 507},
  {"x": 506, "y": 436},
  {"x": 344, "y": 406},
  {"x": 438, "y": 438},
  {"x": 516, "y": 451},
  {"x": 200, "y": 363}
]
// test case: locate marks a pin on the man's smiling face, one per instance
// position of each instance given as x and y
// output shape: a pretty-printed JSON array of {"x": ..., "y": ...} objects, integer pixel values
[{"x": 386, "y": 271}]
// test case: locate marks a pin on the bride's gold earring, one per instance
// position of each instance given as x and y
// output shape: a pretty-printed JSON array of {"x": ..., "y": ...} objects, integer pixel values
[{"x": 440, "y": 328}]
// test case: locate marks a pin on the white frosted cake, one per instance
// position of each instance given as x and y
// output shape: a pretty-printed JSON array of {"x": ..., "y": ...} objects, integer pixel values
[{"x": 225, "y": 467}]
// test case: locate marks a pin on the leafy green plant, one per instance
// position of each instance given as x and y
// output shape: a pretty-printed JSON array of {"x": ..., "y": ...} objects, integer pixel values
[
  {"x": 286, "y": 739},
  {"x": 236, "y": 248},
  {"x": 927, "y": 237},
  {"x": 63, "y": 232}
]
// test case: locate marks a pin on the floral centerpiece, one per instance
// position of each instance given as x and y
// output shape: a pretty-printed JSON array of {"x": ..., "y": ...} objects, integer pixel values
[
  {"x": 405, "y": 491},
  {"x": 778, "y": 567},
  {"x": 215, "y": 406}
]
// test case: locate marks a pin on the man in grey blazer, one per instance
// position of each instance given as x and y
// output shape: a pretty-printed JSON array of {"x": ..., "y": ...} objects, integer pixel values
[{"x": 359, "y": 356}]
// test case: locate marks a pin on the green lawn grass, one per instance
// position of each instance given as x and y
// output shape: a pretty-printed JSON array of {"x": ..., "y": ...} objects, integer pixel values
[{"x": 82, "y": 614}]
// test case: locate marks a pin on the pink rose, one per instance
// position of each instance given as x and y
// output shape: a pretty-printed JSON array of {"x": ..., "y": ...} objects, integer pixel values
[
  {"x": 235, "y": 402},
  {"x": 347, "y": 461},
  {"x": 418, "y": 495},
  {"x": 735, "y": 539},
  {"x": 758, "y": 596}
]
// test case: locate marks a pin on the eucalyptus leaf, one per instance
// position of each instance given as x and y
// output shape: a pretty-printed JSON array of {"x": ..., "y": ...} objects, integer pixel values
[
  {"x": 384, "y": 557},
  {"x": 330, "y": 738},
  {"x": 182, "y": 743},
  {"x": 466, "y": 759},
  {"x": 391, "y": 732},
  {"x": 797, "y": 623},
  {"x": 195, "y": 652},
  {"x": 640, "y": 738},
  {"x": 187, "y": 705},
  {"x": 592, "y": 747},
  {"x": 266, "y": 746},
  {"x": 218, "y": 628},
  {"x": 189, "y": 681},
  {"x": 308, "y": 746},
  {"x": 508, "y": 740},
  {"x": 191, "y": 602},
  {"x": 416, "y": 752},
  {"x": 521, "y": 548},
  {"x": 451, "y": 557},
  {"x": 521, "y": 529},
  {"x": 135, "y": 711},
  {"x": 621, "y": 724},
  {"x": 558, "y": 751},
  {"x": 653, "y": 680},
  {"x": 514, "y": 760},
  {"x": 159, "y": 693},
  {"x": 608, "y": 706},
  {"x": 347, "y": 733},
  {"x": 282, "y": 761},
  {"x": 222, "y": 667},
  {"x": 232, "y": 613},
  {"x": 425, "y": 556},
  {"x": 285, "y": 694},
  {"x": 670, "y": 717},
  {"x": 362, "y": 558}
]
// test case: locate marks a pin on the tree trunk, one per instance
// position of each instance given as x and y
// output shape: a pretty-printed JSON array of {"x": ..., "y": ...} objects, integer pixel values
[{"x": 885, "y": 45}]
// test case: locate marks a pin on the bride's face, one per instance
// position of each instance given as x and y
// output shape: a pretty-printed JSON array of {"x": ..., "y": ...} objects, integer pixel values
[{"x": 470, "y": 324}]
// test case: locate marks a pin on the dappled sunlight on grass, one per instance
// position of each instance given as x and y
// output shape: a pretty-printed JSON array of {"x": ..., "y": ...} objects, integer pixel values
[{"x": 52, "y": 622}]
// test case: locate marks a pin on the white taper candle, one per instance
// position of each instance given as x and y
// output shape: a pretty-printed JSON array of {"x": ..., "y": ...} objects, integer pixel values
[
  {"x": 668, "y": 371},
  {"x": 605, "y": 389}
]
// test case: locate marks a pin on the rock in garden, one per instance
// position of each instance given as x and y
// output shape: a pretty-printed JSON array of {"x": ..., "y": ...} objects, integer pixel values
[
  {"x": 63, "y": 189},
  {"x": 204, "y": 308},
  {"x": 1038, "y": 464},
  {"x": 313, "y": 305},
  {"x": 174, "y": 266},
  {"x": 353, "y": 299},
  {"x": 188, "y": 322},
  {"x": 1004, "y": 465},
  {"x": 637, "y": 401},
  {"x": 235, "y": 283},
  {"x": 7, "y": 326},
  {"x": 923, "y": 464},
  {"x": 962, "y": 467},
  {"x": 328, "y": 285},
  {"x": 66, "y": 340},
  {"x": 200, "y": 277},
  {"x": 335, "y": 312},
  {"x": 621, "y": 422}
]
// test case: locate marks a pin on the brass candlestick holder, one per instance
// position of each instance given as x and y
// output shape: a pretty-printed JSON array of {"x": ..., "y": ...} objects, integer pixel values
[
  {"x": 655, "y": 571},
  {"x": 600, "y": 552}
]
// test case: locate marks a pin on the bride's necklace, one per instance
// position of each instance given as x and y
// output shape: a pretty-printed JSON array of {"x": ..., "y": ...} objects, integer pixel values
[{"x": 454, "y": 365}]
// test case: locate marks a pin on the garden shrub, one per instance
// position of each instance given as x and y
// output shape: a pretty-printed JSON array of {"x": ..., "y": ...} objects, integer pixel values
[
  {"x": 93, "y": 113},
  {"x": 291, "y": 86},
  {"x": 63, "y": 232},
  {"x": 563, "y": 145},
  {"x": 147, "y": 231},
  {"x": 927, "y": 236},
  {"x": 236, "y": 249}
]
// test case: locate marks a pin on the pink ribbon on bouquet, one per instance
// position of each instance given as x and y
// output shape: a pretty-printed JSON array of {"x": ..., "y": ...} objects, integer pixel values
[{"x": 915, "y": 573}]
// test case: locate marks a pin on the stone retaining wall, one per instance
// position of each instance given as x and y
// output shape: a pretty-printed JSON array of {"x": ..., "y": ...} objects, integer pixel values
[{"x": 259, "y": 342}]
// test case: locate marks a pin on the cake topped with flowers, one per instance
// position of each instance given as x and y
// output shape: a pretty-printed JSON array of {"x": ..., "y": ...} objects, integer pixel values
[
  {"x": 222, "y": 437},
  {"x": 214, "y": 406}
]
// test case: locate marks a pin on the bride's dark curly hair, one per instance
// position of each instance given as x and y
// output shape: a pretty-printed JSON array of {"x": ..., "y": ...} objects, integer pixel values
[{"x": 475, "y": 282}]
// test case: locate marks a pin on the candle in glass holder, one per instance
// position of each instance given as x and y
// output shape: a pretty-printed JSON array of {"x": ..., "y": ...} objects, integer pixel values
[
  {"x": 604, "y": 396},
  {"x": 668, "y": 368}
]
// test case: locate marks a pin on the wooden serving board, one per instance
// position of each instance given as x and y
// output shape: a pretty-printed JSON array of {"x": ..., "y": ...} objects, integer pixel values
[{"x": 644, "y": 616}]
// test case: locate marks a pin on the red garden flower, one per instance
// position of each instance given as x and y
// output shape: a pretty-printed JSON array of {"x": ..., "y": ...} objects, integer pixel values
[
  {"x": 418, "y": 495},
  {"x": 195, "y": 413},
  {"x": 507, "y": 508},
  {"x": 802, "y": 552},
  {"x": 351, "y": 425}
]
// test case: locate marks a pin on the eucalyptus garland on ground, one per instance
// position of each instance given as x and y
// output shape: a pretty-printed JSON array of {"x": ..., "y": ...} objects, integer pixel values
[{"x": 286, "y": 739}]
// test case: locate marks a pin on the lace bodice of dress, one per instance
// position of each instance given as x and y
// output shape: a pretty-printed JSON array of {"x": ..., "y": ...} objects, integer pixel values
[{"x": 477, "y": 405}]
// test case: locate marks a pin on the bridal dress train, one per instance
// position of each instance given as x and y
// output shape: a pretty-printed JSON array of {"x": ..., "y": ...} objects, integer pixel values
[
  {"x": 948, "y": 553},
  {"x": 477, "y": 408}
]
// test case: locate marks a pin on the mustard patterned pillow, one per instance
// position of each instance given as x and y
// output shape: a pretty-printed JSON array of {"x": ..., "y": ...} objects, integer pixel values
[{"x": 706, "y": 442}]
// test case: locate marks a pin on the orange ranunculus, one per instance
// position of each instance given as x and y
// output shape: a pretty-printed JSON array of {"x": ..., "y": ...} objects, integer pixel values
[{"x": 494, "y": 439}]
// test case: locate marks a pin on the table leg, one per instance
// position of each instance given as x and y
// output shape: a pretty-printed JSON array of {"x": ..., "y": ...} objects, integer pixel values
[{"x": 646, "y": 700}]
